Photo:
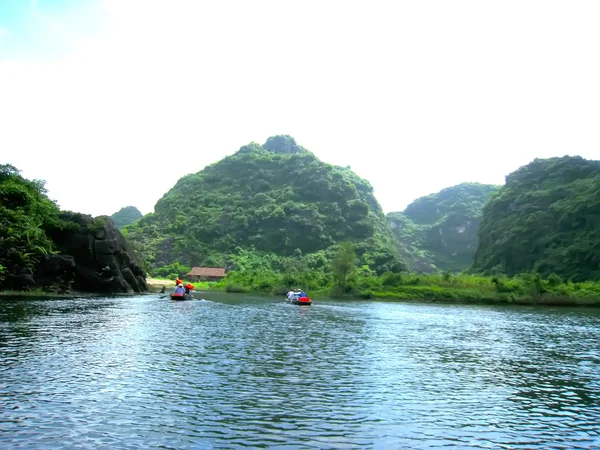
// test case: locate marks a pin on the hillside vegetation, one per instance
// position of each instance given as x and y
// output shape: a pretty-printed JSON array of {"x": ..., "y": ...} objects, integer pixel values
[
  {"x": 438, "y": 232},
  {"x": 126, "y": 216},
  {"x": 546, "y": 219},
  {"x": 278, "y": 200},
  {"x": 43, "y": 248},
  {"x": 25, "y": 215}
]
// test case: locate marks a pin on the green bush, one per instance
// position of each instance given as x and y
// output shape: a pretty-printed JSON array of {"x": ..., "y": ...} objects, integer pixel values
[{"x": 232, "y": 287}]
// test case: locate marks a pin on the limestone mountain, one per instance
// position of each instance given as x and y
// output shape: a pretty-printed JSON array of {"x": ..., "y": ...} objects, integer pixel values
[
  {"x": 546, "y": 218},
  {"x": 126, "y": 216},
  {"x": 439, "y": 231},
  {"x": 277, "y": 199}
]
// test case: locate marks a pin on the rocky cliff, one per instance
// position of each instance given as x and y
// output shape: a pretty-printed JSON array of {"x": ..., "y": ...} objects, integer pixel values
[
  {"x": 439, "y": 231},
  {"x": 95, "y": 256},
  {"x": 43, "y": 247}
]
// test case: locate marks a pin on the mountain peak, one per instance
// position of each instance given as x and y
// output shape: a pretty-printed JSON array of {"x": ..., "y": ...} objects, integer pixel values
[{"x": 282, "y": 144}]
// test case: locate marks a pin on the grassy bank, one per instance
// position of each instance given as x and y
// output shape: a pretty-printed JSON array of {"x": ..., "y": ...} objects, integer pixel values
[
  {"x": 156, "y": 284},
  {"x": 526, "y": 289}
]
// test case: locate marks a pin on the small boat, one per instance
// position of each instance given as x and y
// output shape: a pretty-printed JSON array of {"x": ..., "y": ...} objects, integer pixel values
[
  {"x": 181, "y": 296},
  {"x": 300, "y": 301}
]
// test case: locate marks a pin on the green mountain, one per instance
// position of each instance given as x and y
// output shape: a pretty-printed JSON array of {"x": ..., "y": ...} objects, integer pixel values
[
  {"x": 545, "y": 219},
  {"x": 439, "y": 231},
  {"x": 277, "y": 199},
  {"x": 126, "y": 216}
]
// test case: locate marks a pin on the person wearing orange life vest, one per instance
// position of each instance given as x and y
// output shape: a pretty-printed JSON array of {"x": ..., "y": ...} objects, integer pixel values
[
  {"x": 188, "y": 288},
  {"x": 178, "y": 281}
]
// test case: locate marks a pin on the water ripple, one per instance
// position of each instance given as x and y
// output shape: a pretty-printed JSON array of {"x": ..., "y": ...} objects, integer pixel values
[{"x": 237, "y": 372}]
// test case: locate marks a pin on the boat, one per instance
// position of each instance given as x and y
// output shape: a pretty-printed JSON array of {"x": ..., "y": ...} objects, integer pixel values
[
  {"x": 300, "y": 301},
  {"x": 181, "y": 296}
]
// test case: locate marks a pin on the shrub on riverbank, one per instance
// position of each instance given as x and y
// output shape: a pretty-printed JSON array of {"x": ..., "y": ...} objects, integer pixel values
[{"x": 521, "y": 289}]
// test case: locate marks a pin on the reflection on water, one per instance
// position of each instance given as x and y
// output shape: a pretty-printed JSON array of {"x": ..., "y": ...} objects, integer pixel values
[{"x": 235, "y": 371}]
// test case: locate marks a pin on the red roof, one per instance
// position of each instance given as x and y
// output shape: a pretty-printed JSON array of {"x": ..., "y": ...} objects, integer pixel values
[{"x": 207, "y": 272}]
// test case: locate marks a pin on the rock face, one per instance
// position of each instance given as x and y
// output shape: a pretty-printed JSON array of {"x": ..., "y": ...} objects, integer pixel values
[
  {"x": 94, "y": 258},
  {"x": 439, "y": 231},
  {"x": 43, "y": 247}
]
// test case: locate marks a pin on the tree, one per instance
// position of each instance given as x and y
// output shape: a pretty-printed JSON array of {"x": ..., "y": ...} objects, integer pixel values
[{"x": 343, "y": 265}]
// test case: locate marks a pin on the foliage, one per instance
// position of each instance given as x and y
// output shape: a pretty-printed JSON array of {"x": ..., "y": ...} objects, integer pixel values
[
  {"x": 546, "y": 219},
  {"x": 126, "y": 216},
  {"x": 282, "y": 144},
  {"x": 171, "y": 271},
  {"x": 343, "y": 265},
  {"x": 466, "y": 199},
  {"x": 233, "y": 287},
  {"x": 520, "y": 289},
  {"x": 278, "y": 199},
  {"x": 439, "y": 231},
  {"x": 97, "y": 224},
  {"x": 32, "y": 227},
  {"x": 25, "y": 213}
]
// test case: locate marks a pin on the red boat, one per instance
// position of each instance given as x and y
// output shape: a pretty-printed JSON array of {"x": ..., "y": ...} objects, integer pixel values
[
  {"x": 181, "y": 296},
  {"x": 301, "y": 301}
]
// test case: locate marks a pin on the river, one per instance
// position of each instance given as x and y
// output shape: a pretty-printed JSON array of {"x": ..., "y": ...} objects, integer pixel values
[{"x": 234, "y": 371}]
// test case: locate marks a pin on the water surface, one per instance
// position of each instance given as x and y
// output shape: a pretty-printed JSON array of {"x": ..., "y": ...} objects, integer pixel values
[{"x": 237, "y": 371}]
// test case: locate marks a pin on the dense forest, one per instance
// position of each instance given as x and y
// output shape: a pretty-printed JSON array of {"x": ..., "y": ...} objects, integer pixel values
[
  {"x": 277, "y": 200},
  {"x": 545, "y": 219},
  {"x": 126, "y": 216},
  {"x": 438, "y": 232}
]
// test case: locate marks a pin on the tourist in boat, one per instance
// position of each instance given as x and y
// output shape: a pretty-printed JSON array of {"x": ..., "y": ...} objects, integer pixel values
[
  {"x": 178, "y": 282},
  {"x": 179, "y": 289},
  {"x": 303, "y": 294},
  {"x": 188, "y": 288}
]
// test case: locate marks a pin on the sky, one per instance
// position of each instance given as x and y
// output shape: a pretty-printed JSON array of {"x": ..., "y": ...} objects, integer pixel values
[{"x": 112, "y": 101}]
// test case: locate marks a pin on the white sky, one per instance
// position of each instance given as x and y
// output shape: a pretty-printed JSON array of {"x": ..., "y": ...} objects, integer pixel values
[{"x": 112, "y": 102}]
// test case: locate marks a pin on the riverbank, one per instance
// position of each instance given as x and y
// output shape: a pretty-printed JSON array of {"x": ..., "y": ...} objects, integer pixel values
[
  {"x": 156, "y": 284},
  {"x": 461, "y": 289},
  {"x": 524, "y": 289},
  {"x": 38, "y": 293},
  {"x": 476, "y": 297}
]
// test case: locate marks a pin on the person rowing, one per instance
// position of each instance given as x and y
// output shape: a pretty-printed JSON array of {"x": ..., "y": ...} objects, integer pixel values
[{"x": 179, "y": 289}]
